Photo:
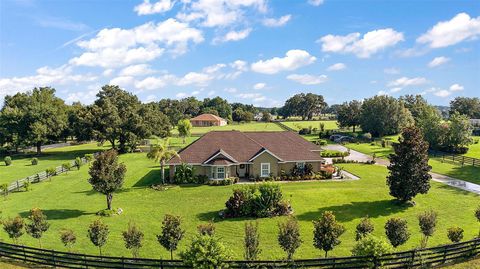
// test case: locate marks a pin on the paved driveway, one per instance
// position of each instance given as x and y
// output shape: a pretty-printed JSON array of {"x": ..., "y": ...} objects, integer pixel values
[{"x": 361, "y": 157}]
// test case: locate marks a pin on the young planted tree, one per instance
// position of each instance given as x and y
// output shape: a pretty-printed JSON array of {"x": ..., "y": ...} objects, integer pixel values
[
  {"x": 205, "y": 252},
  {"x": 455, "y": 234},
  {"x": 251, "y": 241},
  {"x": 98, "y": 234},
  {"x": 364, "y": 228},
  {"x": 38, "y": 224},
  {"x": 371, "y": 246},
  {"x": 133, "y": 239},
  {"x": 4, "y": 190},
  {"x": 427, "y": 222},
  {"x": 184, "y": 128},
  {"x": 409, "y": 166},
  {"x": 107, "y": 175},
  {"x": 51, "y": 171},
  {"x": 160, "y": 152},
  {"x": 171, "y": 234},
  {"x": 14, "y": 228},
  {"x": 326, "y": 232},
  {"x": 67, "y": 166},
  {"x": 68, "y": 238},
  {"x": 397, "y": 231},
  {"x": 78, "y": 163},
  {"x": 289, "y": 236}
]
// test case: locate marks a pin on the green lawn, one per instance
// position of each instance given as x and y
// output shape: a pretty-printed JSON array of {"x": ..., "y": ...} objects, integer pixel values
[
  {"x": 251, "y": 126},
  {"x": 474, "y": 149},
  {"x": 297, "y": 125},
  {"x": 69, "y": 202},
  {"x": 367, "y": 148},
  {"x": 22, "y": 167}
]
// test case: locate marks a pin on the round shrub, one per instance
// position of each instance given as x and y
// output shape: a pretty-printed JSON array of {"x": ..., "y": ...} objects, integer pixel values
[
  {"x": 455, "y": 234},
  {"x": 371, "y": 246},
  {"x": 8, "y": 160},
  {"x": 363, "y": 229},
  {"x": 34, "y": 161},
  {"x": 78, "y": 163},
  {"x": 397, "y": 231}
]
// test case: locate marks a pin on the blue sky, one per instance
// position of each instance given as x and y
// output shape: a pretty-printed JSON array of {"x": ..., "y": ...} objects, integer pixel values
[{"x": 251, "y": 51}]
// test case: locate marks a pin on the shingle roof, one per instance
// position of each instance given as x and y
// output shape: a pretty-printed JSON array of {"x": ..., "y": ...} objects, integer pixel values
[
  {"x": 207, "y": 117},
  {"x": 243, "y": 146}
]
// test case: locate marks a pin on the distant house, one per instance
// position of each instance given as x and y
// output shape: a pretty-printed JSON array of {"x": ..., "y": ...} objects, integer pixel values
[
  {"x": 223, "y": 154},
  {"x": 206, "y": 120}
]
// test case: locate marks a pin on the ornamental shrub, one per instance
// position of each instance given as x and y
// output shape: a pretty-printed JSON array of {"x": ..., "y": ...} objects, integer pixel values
[
  {"x": 8, "y": 161},
  {"x": 205, "y": 252},
  {"x": 364, "y": 228},
  {"x": 206, "y": 228},
  {"x": 34, "y": 161},
  {"x": 67, "y": 166},
  {"x": 68, "y": 238},
  {"x": 455, "y": 234},
  {"x": 397, "y": 231},
  {"x": 78, "y": 163},
  {"x": 371, "y": 246}
]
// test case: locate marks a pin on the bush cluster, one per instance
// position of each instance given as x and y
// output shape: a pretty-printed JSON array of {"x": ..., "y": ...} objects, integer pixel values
[
  {"x": 264, "y": 200},
  {"x": 335, "y": 161},
  {"x": 334, "y": 153},
  {"x": 34, "y": 161},
  {"x": 223, "y": 182},
  {"x": 8, "y": 160}
]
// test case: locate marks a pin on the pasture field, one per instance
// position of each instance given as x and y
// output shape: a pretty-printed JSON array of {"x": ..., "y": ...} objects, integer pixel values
[
  {"x": 250, "y": 126},
  {"x": 297, "y": 125},
  {"x": 69, "y": 202},
  {"x": 22, "y": 167}
]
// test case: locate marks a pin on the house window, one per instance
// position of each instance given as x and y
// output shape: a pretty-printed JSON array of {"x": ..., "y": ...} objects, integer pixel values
[
  {"x": 220, "y": 172},
  {"x": 301, "y": 165},
  {"x": 265, "y": 169}
]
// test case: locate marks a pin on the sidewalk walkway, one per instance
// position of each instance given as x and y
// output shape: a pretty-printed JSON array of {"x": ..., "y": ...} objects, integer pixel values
[{"x": 450, "y": 181}]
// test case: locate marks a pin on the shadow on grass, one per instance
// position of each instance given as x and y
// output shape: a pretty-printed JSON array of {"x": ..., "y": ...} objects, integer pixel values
[
  {"x": 59, "y": 214},
  {"x": 215, "y": 217},
  {"x": 356, "y": 210},
  {"x": 152, "y": 177}
]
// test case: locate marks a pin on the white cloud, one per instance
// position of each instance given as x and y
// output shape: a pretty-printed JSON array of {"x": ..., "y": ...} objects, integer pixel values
[
  {"x": 371, "y": 42},
  {"x": 240, "y": 65},
  {"x": 194, "y": 78},
  {"x": 230, "y": 90},
  {"x": 211, "y": 93},
  {"x": 442, "y": 93},
  {"x": 85, "y": 97},
  {"x": 293, "y": 59},
  {"x": 405, "y": 82},
  {"x": 136, "y": 70},
  {"x": 259, "y": 86},
  {"x": 214, "y": 68},
  {"x": 272, "y": 22},
  {"x": 45, "y": 76},
  {"x": 108, "y": 72},
  {"x": 118, "y": 47},
  {"x": 382, "y": 93},
  {"x": 438, "y": 61},
  {"x": 391, "y": 71},
  {"x": 233, "y": 36},
  {"x": 123, "y": 81},
  {"x": 219, "y": 13},
  {"x": 456, "y": 87},
  {"x": 308, "y": 79},
  {"x": 147, "y": 8},
  {"x": 150, "y": 98},
  {"x": 316, "y": 2},
  {"x": 152, "y": 83},
  {"x": 337, "y": 67},
  {"x": 182, "y": 95},
  {"x": 447, "y": 33},
  {"x": 396, "y": 89}
]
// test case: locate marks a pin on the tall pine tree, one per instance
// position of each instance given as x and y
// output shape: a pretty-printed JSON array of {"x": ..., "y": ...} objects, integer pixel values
[{"x": 409, "y": 166}]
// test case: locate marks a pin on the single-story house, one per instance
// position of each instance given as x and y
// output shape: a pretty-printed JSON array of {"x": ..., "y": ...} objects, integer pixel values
[
  {"x": 223, "y": 154},
  {"x": 206, "y": 120}
]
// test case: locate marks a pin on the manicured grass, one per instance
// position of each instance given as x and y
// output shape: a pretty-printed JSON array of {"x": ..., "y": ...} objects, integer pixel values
[
  {"x": 251, "y": 126},
  {"x": 474, "y": 149},
  {"x": 369, "y": 149},
  {"x": 297, "y": 125},
  {"x": 465, "y": 265},
  {"x": 69, "y": 202},
  {"x": 22, "y": 167}
]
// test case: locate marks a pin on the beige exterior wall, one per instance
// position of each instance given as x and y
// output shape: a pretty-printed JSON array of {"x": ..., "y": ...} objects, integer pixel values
[{"x": 265, "y": 157}]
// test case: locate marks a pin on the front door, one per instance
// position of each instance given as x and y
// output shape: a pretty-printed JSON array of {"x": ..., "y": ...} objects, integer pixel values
[{"x": 242, "y": 170}]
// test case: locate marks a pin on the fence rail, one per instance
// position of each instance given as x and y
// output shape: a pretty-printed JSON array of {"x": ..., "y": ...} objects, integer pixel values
[
  {"x": 20, "y": 183},
  {"x": 463, "y": 160},
  {"x": 429, "y": 257}
]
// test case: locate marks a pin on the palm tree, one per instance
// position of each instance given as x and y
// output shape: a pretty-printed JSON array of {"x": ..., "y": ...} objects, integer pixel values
[{"x": 161, "y": 152}]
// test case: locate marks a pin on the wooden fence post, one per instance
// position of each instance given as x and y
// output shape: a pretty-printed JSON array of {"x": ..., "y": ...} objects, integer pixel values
[
  {"x": 85, "y": 261},
  {"x": 444, "y": 254},
  {"x": 24, "y": 254},
  {"x": 53, "y": 258}
]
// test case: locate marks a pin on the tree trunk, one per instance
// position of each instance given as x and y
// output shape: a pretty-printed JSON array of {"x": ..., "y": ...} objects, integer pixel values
[
  {"x": 113, "y": 143},
  {"x": 171, "y": 254},
  {"x": 39, "y": 148},
  {"x": 109, "y": 201},
  {"x": 354, "y": 128},
  {"x": 326, "y": 254},
  {"x": 162, "y": 166},
  {"x": 100, "y": 249}
]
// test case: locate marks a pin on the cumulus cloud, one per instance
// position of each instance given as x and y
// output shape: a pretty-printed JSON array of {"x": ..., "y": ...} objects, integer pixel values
[
  {"x": 437, "y": 61},
  {"x": 259, "y": 86},
  {"x": 230, "y": 90},
  {"x": 315, "y": 2},
  {"x": 136, "y": 70},
  {"x": 147, "y": 8},
  {"x": 233, "y": 36},
  {"x": 405, "y": 82},
  {"x": 442, "y": 93},
  {"x": 456, "y": 87},
  {"x": 307, "y": 79},
  {"x": 293, "y": 59},
  {"x": 363, "y": 47},
  {"x": 272, "y": 22},
  {"x": 194, "y": 78},
  {"x": 119, "y": 47},
  {"x": 446, "y": 33},
  {"x": 337, "y": 67}
]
